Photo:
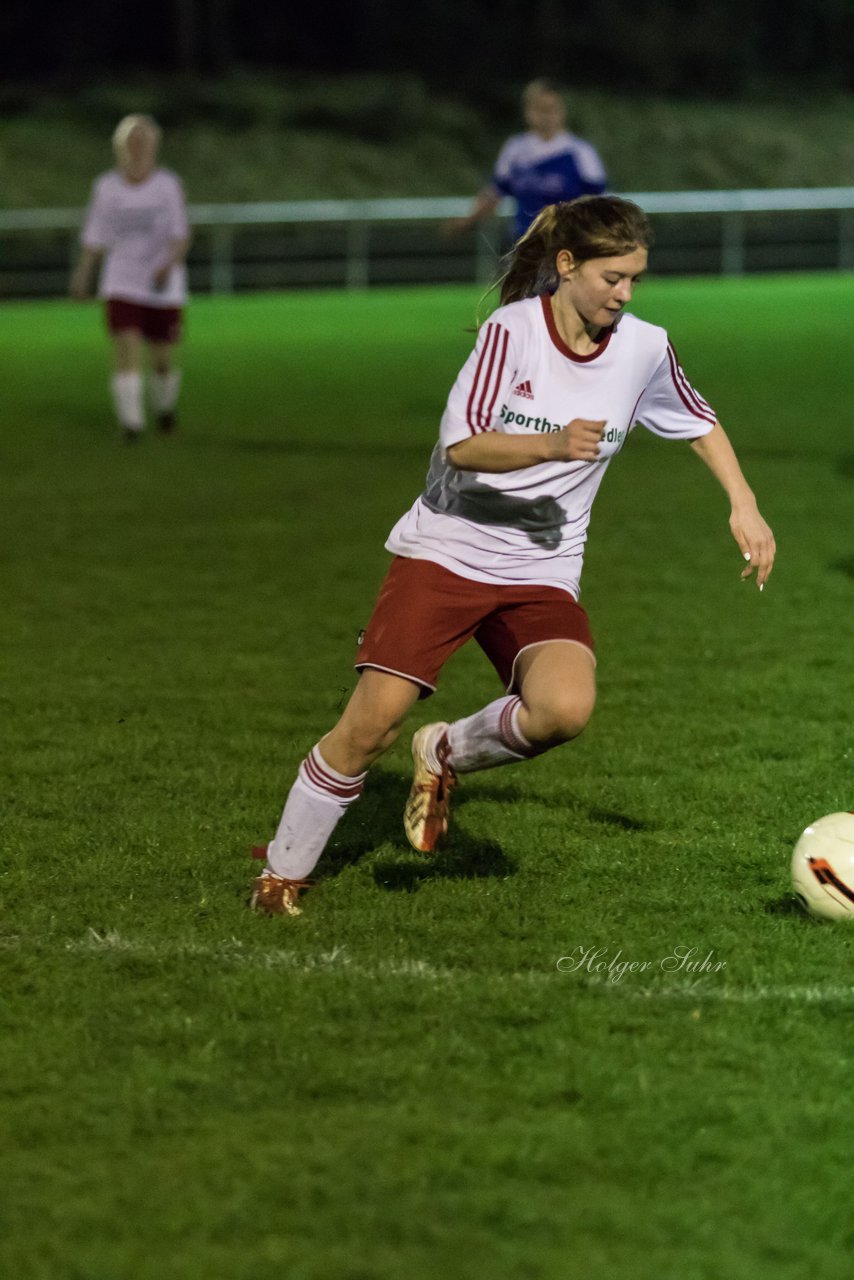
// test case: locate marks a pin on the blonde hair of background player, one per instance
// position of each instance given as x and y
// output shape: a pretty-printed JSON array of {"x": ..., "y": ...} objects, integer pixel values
[{"x": 136, "y": 139}]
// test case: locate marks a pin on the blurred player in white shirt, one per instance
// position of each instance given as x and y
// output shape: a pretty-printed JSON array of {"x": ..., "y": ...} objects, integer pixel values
[
  {"x": 136, "y": 226},
  {"x": 492, "y": 550}
]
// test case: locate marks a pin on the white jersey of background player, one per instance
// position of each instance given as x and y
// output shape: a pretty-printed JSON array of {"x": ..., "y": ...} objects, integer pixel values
[
  {"x": 135, "y": 223},
  {"x": 521, "y": 378}
]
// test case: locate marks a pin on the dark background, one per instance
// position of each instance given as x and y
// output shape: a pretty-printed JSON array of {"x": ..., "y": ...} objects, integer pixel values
[{"x": 713, "y": 48}]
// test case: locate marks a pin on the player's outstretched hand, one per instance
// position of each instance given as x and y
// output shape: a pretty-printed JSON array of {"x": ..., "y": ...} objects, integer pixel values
[
  {"x": 452, "y": 228},
  {"x": 756, "y": 541},
  {"x": 578, "y": 441}
]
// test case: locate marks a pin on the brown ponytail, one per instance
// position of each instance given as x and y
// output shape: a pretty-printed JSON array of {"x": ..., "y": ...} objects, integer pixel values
[{"x": 589, "y": 227}]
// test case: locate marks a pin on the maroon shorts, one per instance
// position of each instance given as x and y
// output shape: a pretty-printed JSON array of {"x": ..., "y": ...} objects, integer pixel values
[
  {"x": 424, "y": 613},
  {"x": 156, "y": 324}
]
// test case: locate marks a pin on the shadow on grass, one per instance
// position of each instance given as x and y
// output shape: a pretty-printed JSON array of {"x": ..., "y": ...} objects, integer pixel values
[
  {"x": 787, "y": 906},
  {"x": 610, "y": 818},
  {"x": 461, "y": 859},
  {"x": 378, "y": 820},
  {"x": 510, "y": 794},
  {"x": 845, "y": 567}
]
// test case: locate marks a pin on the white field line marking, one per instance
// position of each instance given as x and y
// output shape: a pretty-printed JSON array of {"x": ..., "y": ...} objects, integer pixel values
[
  {"x": 702, "y": 989},
  {"x": 232, "y": 952}
]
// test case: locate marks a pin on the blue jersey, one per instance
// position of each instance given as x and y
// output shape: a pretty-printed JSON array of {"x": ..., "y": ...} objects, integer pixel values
[{"x": 537, "y": 172}]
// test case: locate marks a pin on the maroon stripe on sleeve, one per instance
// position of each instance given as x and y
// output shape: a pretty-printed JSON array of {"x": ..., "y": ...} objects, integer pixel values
[
  {"x": 470, "y": 415},
  {"x": 692, "y": 391},
  {"x": 505, "y": 338},
  {"x": 683, "y": 387},
  {"x": 481, "y": 419},
  {"x": 701, "y": 404},
  {"x": 487, "y": 378}
]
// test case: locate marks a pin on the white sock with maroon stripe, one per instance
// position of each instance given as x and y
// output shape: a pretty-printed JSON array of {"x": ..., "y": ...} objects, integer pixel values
[
  {"x": 488, "y": 738},
  {"x": 317, "y": 801}
]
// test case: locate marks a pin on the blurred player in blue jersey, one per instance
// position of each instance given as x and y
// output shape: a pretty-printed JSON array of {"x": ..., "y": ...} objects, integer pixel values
[{"x": 546, "y": 165}]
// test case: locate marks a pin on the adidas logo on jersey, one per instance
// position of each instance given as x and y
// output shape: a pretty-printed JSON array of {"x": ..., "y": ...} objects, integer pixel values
[{"x": 524, "y": 389}]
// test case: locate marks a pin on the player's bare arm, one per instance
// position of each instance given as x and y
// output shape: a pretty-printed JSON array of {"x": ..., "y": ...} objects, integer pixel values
[
  {"x": 177, "y": 253},
  {"x": 494, "y": 451},
  {"x": 754, "y": 537},
  {"x": 81, "y": 277},
  {"x": 485, "y": 204}
]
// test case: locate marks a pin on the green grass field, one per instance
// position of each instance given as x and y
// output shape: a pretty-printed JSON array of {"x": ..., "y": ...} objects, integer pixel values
[{"x": 402, "y": 1084}]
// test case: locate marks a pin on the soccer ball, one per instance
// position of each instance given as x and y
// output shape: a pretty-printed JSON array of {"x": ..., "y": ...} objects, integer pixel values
[{"x": 823, "y": 867}]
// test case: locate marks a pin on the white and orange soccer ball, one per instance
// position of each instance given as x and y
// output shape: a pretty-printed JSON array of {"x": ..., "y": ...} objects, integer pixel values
[{"x": 823, "y": 867}]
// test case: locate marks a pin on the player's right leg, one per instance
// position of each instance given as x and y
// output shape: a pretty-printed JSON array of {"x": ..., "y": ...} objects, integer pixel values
[
  {"x": 329, "y": 780},
  {"x": 126, "y": 382}
]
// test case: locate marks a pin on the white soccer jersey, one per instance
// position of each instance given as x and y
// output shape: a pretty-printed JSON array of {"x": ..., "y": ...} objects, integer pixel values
[
  {"x": 530, "y": 525},
  {"x": 134, "y": 223}
]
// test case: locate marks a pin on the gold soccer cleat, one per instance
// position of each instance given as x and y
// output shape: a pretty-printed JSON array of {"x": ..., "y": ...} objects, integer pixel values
[
  {"x": 425, "y": 818},
  {"x": 274, "y": 895}
]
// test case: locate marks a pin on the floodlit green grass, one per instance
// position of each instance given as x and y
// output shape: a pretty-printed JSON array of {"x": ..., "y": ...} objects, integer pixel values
[{"x": 401, "y": 1083}]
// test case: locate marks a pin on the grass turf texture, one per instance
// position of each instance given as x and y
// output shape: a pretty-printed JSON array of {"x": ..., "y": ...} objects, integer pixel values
[{"x": 401, "y": 1083}]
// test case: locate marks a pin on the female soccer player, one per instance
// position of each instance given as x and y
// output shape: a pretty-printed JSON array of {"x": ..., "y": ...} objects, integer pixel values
[
  {"x": 493, "y": 547},
  {"x": 545, "y": 165},
  {"x": 137, "y": 222}
]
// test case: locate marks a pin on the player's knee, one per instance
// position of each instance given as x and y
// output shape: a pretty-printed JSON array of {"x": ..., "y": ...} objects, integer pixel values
[
  {"x": 370, "y": 737},
  {"x": 560, "y": 719}
]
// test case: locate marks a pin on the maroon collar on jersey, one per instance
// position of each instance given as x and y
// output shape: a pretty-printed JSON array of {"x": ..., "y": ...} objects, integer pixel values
[{"x": 546, "y": 300}]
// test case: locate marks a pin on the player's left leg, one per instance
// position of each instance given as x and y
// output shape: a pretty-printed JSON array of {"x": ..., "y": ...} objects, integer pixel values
[
  {"x": 164, "y": 384},
  {"x": 557, "y": 693},
  {"x": 556, "y": 685}
]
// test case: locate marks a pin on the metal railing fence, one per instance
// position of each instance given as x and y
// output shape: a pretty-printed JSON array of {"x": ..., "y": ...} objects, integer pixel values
[{"x": 359, "y": 242}]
